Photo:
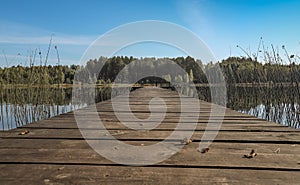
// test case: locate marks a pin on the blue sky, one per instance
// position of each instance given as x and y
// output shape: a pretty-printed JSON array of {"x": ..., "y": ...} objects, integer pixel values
[{"x": 26, "y": 26}]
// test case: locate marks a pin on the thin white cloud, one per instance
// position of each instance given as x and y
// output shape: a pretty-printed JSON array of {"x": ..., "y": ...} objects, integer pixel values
[
  {"x": 18, "y": 41},
  {"x": 65, "y": 40},
  {"x": 16, "y": 33},
  {"x": 193, "y": 13}
]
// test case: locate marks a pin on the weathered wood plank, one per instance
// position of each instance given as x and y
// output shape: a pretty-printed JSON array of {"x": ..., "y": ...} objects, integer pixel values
[
  {"x": 156, "y": 135},
  {"x": 219, "y": 155},
  {"x": 85, "y": 174},
  {"x": 166, "y": 126},
  {"x": 28, "y": 143}
]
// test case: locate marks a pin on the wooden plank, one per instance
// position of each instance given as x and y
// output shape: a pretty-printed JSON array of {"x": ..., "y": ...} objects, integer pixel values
[
  {"x": 28, "y": 143},
  {"x": 86, "y": 174},
  {"x": 219, "y": 155},
  {"x": 241, "y": 127},
  {"x": 275, "y": 137}
]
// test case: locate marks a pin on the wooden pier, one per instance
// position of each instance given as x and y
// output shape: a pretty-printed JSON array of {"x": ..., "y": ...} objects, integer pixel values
[{"x": 54, "y": 151}]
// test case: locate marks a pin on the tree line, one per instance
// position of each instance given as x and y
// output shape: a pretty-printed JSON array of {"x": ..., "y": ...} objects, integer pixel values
[
  {"x": 36, "y": 75},
  {"x": 235, "y": 70}
]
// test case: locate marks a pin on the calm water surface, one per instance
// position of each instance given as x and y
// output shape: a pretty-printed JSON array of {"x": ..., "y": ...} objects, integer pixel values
[
  {"x": 278, "y": 103},
  {"x": 21, "y": 106}
]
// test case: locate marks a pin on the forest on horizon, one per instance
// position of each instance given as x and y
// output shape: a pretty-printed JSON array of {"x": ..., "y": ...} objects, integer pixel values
[{"x": 235, "y": 70}]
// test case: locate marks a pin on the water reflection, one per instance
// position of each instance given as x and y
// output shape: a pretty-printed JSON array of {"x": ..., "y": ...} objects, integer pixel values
[
  {"x": 20, "y": 106},
  {"x": 277, "y": 103}
]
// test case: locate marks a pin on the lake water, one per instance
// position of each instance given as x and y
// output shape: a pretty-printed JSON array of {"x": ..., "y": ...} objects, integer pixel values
[
  {"x": 278, "y": 103},
  {"x": 21, "y": 106}
]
